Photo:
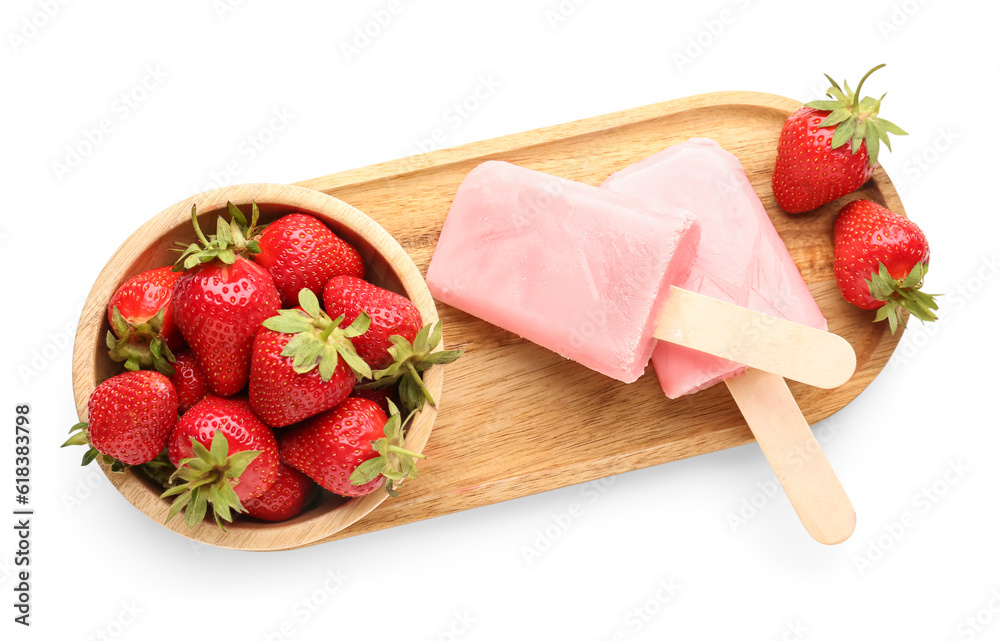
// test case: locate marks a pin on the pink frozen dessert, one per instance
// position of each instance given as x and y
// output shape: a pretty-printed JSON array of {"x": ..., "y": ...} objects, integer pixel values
[
  {"x": 741, "y": 258},
  {"x": 579, "y": 270}
]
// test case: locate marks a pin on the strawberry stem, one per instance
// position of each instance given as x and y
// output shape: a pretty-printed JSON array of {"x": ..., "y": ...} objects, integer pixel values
[
  {"x": 325, "y": 334},
  {"x": 857, "y": 90},
  {"x": 395, "y": 449},
  {"x": 420, "y": 383},
  {"x": 197, "y": 227}
]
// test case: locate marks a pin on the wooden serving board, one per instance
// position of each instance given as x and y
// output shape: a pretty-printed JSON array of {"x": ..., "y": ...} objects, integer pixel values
[{"x": 507, "y": 402}]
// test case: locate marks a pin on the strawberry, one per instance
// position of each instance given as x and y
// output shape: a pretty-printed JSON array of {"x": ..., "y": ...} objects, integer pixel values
[
  {"x": 880, "y": 260},
  {"x": 351, "y": 448},
  {"x": 224, "y": 454},
  {"x": 130, "y": 418},
  {"x": 300, "y": 251},
  {"x": 221, "y": 299},
  {"x": 303, "y": 363},
  {"x": 285, "y": 499},
  {"x": 142, "y": 331},
  {"x": 189, "y": 379},
  {"x": 395, "y": 344},
  {"x": 390, "y": 313},
  {"x": 381, "y": 396},
  {"x": 814, "y": 164}
]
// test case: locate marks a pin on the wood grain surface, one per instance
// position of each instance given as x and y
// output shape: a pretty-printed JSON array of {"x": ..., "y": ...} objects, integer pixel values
[{"x": 506, "y": 402}]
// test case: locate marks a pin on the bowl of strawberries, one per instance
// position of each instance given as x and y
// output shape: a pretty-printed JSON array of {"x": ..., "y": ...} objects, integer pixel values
[{"x": 258, "y": 367}]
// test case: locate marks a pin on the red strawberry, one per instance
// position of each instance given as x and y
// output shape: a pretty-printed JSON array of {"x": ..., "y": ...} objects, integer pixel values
[
  {"x": 285, "y": 499},
  {"x": 190, "y": 381},
  {"x": 381, "y": 396},
  {"x": 880, "y": 259},
  {"x": 225, "y": 455},
  {"x": 130, "y": 417},
  {"x": 301, "y": 252},
  {"x": 351, "y": 448},
  {"x": 390, "y": 314},
  {"x": 395, "y": 344},
  {"x": 303, "y": 363},
  {"x": 220, "y": 301},
  {"x": 142, "y": 324},
  {"x": 814, "y": 165}
]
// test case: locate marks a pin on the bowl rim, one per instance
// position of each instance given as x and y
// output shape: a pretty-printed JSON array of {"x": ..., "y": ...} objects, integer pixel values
[{"x": 312, "y": 526}]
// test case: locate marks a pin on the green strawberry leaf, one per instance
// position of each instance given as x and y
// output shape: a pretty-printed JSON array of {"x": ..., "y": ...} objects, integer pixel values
[
  {"x": 355, "y": 362},
  {"x": 236, "y": 214},
  {"x": 231, "y": 239},
  {"x": 856, "y": 118},
  {"x": 289, "y": 321},
  {"x": 359, "y": 326},
  {"x": 827, "y": 105},
  {"x": 89, "y": 456},
  {"x": 328, "y": 361},
  {"x": 409, "y": 361},
  {"x": 208, "y": 477},
  {"x": 891, "y": 128},
  {"x": 394, "y": 462},
  {"x": 309, "y": 302},
  {"x": 367, "y": 471},
  {"x": 902, "y": 294},
  {"x": 442, "y": 358},
  {"x": 239, "y": 461},
  {"x": 842, "y": 134}
]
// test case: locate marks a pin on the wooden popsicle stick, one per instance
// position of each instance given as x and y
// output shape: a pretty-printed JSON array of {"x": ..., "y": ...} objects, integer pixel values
[
  {"x": 764, "y": 342},
  {"x": 794, "y": 454}
]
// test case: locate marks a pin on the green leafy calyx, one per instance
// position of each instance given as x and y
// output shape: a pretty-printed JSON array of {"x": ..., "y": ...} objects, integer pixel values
[
  {"x": 410, "y": 361},
  {"x": 79, "y": 436},
  {"x": 139, "y": 345},
  {"x": 856, "y": 118},
  {"x": 900, "y": 294},
  {"x": 207, "y": 479},
  {"x": 319, "y": 341},
  {"x": 394, "y": 462},
  {"x": 231, "y": 239}
]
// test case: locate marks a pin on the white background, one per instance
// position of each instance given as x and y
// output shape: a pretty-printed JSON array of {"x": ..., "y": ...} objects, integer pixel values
[{"x": 656, "y": 553}]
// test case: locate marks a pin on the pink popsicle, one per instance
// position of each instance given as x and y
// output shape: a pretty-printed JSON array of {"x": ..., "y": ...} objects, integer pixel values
[
  {"x": 741, "y": 258},
  {"x": 574, "y": 268}
]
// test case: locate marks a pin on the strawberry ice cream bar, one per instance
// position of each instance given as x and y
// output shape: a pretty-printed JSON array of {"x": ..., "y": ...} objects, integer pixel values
[
  {"x": 576, "y": 269},
  {"x": 741, "y": 258}
]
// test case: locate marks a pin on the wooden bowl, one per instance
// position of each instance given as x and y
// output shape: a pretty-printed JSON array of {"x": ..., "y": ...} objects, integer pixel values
[{"x": 388, "y": 266}]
